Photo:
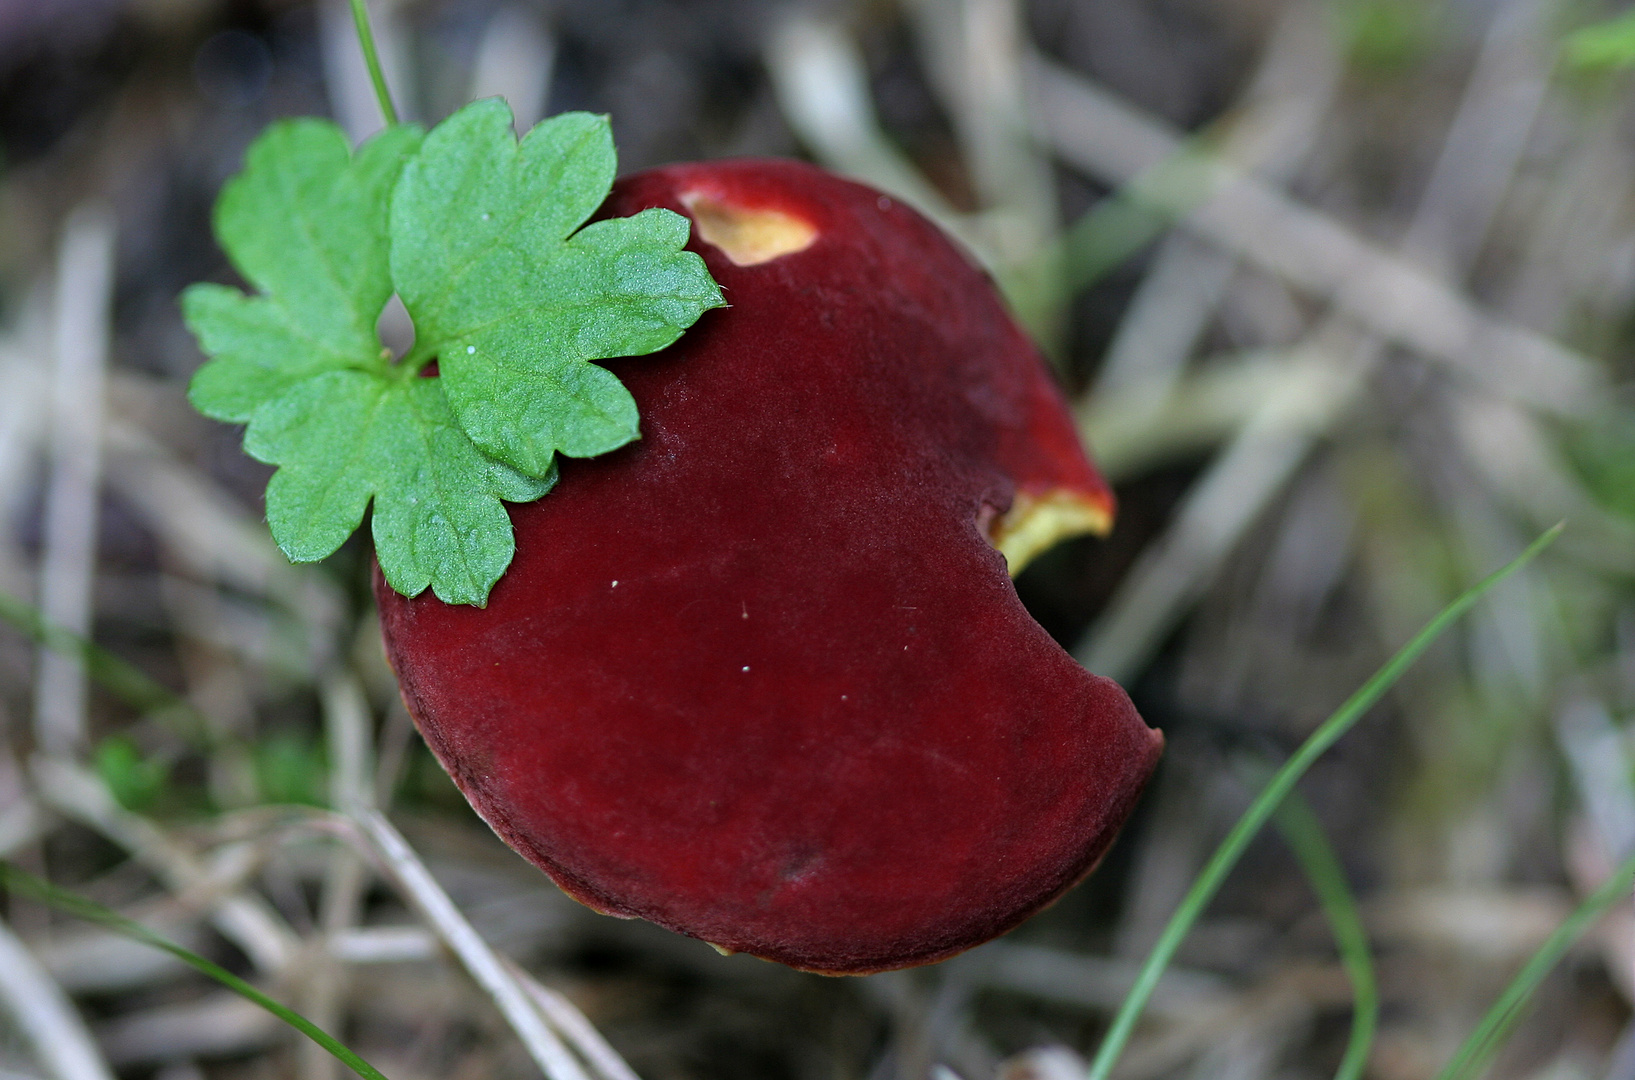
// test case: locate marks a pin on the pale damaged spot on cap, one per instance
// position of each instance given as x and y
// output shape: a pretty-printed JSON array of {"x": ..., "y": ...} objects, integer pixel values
[
  {"x": 748, "y": 236},
  {"x": 1039, "y": 521}
]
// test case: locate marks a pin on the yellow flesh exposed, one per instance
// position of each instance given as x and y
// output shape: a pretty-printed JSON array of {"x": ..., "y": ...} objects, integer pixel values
[
  {"x": 1036, "y": 523},
  {"x": 748, "y": 237}
]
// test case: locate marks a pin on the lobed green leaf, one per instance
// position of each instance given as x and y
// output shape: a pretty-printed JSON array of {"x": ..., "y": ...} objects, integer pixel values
[
  {"x": 345, "y": 438},
  {"x": 485, "y": 241},
  {"x": 514, "y": 303}
]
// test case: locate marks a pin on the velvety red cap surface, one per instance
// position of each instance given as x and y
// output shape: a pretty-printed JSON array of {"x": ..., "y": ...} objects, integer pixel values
[{"x": 760, "y": 677}]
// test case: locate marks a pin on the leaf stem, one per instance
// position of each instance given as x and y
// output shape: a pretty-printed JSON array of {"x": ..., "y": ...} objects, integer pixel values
[
  {"x": 1266, "y": 803},
  {"x": 366, "y": 38}
]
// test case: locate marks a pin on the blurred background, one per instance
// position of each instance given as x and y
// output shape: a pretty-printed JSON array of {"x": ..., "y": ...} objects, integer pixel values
[{"x": 1343, "y": 292}]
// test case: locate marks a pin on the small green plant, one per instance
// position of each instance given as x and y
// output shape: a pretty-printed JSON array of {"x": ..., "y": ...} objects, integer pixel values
[
  {"x": 1389, "y": 36},
  {"x": 290, "y": 769},
  {"x": 512, "y": 296},
  {"x": 135, "y": 779},
  {"x": 1604, "y": 46}
]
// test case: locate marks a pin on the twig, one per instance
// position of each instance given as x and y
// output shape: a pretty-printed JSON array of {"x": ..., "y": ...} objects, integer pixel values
[
  {"x": 347, "y": 720},
  {"x": 475, "y": 954},
  {"x": 1488, "y": 136},
  {"x": 84, "y": 289},
  {"x": 1164, "y": 321},
  {"x": 565, "y": 1016},
  {"x": 973, "y": 48},
  {"x": 383, "y": 945},
  {"x": 973, "y": 51},
  {"x": 45, "y": 1016}
]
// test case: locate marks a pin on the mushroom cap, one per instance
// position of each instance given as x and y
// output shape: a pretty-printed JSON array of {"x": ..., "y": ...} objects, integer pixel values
[{"x": 761, "y": 677}]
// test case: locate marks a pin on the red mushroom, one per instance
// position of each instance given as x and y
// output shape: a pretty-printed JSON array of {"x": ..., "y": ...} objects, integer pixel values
[{"x": 762, "y": 677}]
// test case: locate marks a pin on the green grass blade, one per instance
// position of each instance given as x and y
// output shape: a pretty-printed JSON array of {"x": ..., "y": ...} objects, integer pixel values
[
  {"x": 21, "y": 883},
  {"x": 1266, "y": 803},
  {"x": 1116, "y": 229},
  {"x": 125, "y": 681},
  {"x": 1304, "y": 835},
  {"x": 1106, "y": 236},
  {"x": 1473, "y": 1057}
]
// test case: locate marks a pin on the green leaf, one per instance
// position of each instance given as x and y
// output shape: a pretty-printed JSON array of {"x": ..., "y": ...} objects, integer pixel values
[
  {"x": 301, "y": 363},
  {"x": 346, "y": 437},
  {"x": 305, "y": 223},
  {"x": 510, "y": 292},
  {"x": 513, "y": 303}
]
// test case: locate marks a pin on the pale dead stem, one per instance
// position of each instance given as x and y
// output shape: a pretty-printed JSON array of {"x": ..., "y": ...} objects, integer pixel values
[
  {"x": 45, "y": 1016},
  {"x": 212, "y": 881},
  {"x": 574, "y": 1026},
  {"x": 1269, "y": 135},
  {"x": 1395, "y": 298},
  {"x": 82, "y": 302},
  {"x": 217, "y": 541},
  {"x": 340, "y": 904},
  {"x": 83, "y": 298},
  {"x": 540, "y": 1017},
  {"x": 822, "y": 87},
  {"x": 404, "y": 867}
]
